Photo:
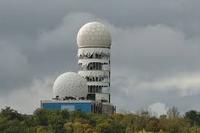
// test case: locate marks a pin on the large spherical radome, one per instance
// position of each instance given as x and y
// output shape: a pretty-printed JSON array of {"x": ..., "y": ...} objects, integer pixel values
[
  {"x": 70, "y": 84},
  {"x": 93, "y": 34}
]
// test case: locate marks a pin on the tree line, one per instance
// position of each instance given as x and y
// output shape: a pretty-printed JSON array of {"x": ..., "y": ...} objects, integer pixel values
[{"x": 64, "y": 121}]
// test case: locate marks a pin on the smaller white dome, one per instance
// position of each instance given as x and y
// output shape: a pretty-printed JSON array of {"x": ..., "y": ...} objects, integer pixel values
[
  {"x": 92, "y": 35},
  {"x": 70, "y": 84}
]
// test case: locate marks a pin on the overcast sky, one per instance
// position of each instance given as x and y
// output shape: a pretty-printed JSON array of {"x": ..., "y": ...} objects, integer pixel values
[{"x": 155, "y": 50}]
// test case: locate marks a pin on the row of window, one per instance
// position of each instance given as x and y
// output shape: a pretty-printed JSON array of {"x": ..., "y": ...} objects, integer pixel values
[
  {"x": 94, "y": 89},
  {"x": 95, "y": 56},
  {"x": 90, "y": 79},
  {"x": 94, "y": 66}
]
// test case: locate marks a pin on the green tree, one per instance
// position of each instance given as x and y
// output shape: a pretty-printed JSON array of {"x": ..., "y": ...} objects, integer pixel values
[
  {"x": 41, "y": 117},
  {"x": 68, "y": 127},
  {"x": 10, "y": 114},
  {"x": 43, "y": 129},
  {"x": 193, "y": 117},
  {"x": 77, "y": 127},
  {"x": 153, "y": 125}
]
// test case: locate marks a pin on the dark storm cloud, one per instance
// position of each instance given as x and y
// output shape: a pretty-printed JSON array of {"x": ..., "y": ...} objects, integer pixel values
[
  {"x": 33, "y": 15},
  {"x": 155, "y": 47}
]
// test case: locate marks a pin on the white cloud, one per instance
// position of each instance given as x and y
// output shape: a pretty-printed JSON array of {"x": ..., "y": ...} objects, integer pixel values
[
  {"x": 158, "y": 109},
  {"x": 27, "y": 99}
]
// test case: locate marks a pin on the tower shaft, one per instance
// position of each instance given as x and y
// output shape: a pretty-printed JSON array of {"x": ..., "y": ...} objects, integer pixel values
[{"x": 95, "y": 68}]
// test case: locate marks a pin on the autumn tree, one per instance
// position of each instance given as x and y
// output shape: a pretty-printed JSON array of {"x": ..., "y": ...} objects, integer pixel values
[{"x": 173, "y": 112}]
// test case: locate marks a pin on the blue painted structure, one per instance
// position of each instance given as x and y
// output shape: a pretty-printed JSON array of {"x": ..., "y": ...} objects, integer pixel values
[{"x": 76, "y": 106}]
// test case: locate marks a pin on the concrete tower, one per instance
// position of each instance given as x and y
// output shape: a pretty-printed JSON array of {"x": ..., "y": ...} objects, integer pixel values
[{"x": 94, "y": 43}]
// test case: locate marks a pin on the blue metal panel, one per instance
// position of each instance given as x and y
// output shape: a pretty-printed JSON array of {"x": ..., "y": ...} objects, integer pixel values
[{"x": 85, "y": 107}]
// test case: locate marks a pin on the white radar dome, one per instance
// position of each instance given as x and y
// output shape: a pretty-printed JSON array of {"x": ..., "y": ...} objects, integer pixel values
[
  {"x": 70, "y": 84},
  {"x": 93, "y": 34}
]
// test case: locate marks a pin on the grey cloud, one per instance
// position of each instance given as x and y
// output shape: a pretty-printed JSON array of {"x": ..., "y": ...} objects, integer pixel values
[
  {"x": 53, "y": 51},
  {"x": 134, "y": 98},
  {"x": 13, "y": 67},
  {"x": 31, "y": 16},
  {"x": 154, "y": 51}
]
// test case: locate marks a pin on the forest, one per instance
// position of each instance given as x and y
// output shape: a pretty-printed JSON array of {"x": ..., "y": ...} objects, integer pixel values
[{"x": 64, "y": 121}]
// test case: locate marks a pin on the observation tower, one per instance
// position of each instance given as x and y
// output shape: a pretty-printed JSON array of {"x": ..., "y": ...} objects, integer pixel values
[
  {"x": 94, "y": 43},
  {"x": 89, "y": 89}
]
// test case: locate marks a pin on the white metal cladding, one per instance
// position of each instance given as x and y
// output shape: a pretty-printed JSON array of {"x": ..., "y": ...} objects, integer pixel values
[
  {"x": 105, "y": 52},
  {"x": 98, "y": 84},
  {"x": 96, "y": 73},
  {"x": 70, "y": 84},
  {"x": 93, "y": 34}
]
